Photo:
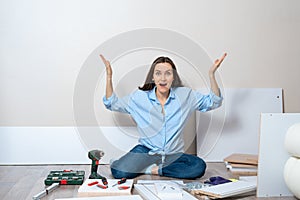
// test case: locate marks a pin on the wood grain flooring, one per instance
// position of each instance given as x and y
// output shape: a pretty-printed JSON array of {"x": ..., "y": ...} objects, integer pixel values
[{"x": 23, "y": 182}]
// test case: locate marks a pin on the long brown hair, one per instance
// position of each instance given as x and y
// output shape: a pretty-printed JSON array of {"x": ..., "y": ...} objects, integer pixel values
[{"x": 149, "y": 84}]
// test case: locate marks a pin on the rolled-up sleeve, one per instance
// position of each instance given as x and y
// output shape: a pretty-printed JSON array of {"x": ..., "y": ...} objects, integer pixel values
[
  {"x": 207, "y": 102},
  {"x": 114, "y": 103},
  {"x": 216, "y": 100},
  {"x": 108, "y": 101}
]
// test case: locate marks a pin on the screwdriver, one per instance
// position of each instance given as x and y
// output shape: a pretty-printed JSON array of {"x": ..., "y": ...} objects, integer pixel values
[
  {"x": 104, "y": 181},
  {"x": 93, "y": 183},
  {"x": 123, "y": 187},
  {"x": 123, "y": 180},
  {"x": 102, "y": 186}
]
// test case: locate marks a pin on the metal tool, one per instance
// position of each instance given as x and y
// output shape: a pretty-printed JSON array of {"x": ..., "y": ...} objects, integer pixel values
[
  {"x": 123, "y": 180},
  {"x": 45, "y": 192}
]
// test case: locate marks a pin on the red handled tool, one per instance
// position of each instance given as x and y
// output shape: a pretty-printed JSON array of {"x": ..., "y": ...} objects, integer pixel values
[
  {"x": 102, "y": 186},
  {"x": 93, "y": 183},
  {"x": 123, "y": 187},
  {"x": 104, "y": 181},
  {"x": 123, "y": 180}
]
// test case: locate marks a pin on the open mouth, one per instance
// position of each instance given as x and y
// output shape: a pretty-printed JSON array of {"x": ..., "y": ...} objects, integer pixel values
[{"x": 163, "y": 84}]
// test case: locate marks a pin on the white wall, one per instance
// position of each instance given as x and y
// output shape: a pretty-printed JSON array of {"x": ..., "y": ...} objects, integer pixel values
[{"x": 45, "y": 44}]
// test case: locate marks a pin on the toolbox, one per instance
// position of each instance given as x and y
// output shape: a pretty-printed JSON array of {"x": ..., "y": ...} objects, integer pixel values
[{"x": 65, "y": 177}]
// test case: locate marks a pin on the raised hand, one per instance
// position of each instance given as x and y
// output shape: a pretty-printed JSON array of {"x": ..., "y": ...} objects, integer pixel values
[
  {"x": 213, "y": 83},
  {"x": 109, "y": 87},
  {"x": 216, "y": 64},
  {"x": 107, "y": 66}
]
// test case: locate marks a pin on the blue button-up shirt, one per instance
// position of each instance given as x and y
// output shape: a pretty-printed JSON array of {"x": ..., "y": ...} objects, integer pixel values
[{"x": 160, "y": 128}]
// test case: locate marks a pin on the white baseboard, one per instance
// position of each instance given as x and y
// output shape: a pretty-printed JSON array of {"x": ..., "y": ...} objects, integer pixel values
[{"x": 60, "y": 145}]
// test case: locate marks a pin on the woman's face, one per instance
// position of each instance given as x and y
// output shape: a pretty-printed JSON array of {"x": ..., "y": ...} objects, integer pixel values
[{"x": 163, "y": 77}]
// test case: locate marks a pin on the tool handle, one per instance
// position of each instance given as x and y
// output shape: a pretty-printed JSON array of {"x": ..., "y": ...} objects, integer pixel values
[
  {"x": 104, "y": 181},
  {"x": 124, "y": 187},
  {"x": 123, "y": 180},
  {"x": 93, "y": 183},
  {"x": 102, "y": 186}
]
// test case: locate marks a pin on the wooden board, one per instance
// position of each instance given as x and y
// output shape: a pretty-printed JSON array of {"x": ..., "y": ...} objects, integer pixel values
[
  {"x": 94, "y": 191},
  {"x": 130, "y": 197},
  {"x": 238, "y": 165},
  {"x": 242, "y": 169},
  {"x": 250, "y": 159}
]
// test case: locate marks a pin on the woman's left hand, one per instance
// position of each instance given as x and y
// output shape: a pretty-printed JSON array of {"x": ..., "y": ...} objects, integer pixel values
[{"x": 216, "y": 64}]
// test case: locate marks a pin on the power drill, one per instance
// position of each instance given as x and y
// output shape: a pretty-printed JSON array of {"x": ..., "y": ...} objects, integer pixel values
[{"x": 95, "y": 156}]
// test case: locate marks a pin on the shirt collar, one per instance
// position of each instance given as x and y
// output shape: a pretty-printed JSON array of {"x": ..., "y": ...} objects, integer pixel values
[{"x": 152, "y": 94}]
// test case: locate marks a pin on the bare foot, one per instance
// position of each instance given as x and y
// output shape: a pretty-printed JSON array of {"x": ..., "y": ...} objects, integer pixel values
[{"x": 154, "y": 170}]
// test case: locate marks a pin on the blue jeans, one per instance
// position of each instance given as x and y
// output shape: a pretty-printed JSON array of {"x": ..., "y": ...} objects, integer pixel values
[{"x": 179, "y": 165}]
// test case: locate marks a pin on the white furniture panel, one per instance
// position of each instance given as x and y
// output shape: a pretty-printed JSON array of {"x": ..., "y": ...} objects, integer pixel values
[
  {"x": 272, "y": 153},
  {"x": 234, "y": 127}
]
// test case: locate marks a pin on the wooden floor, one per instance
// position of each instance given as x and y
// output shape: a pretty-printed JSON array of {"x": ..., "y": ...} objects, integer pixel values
[{"x": 23, "y": 182}]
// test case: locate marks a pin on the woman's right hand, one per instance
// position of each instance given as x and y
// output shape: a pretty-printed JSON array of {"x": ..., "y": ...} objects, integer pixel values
[
  {"x": 109, "y": 86},
  {"x": 107, "y": 66}
]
